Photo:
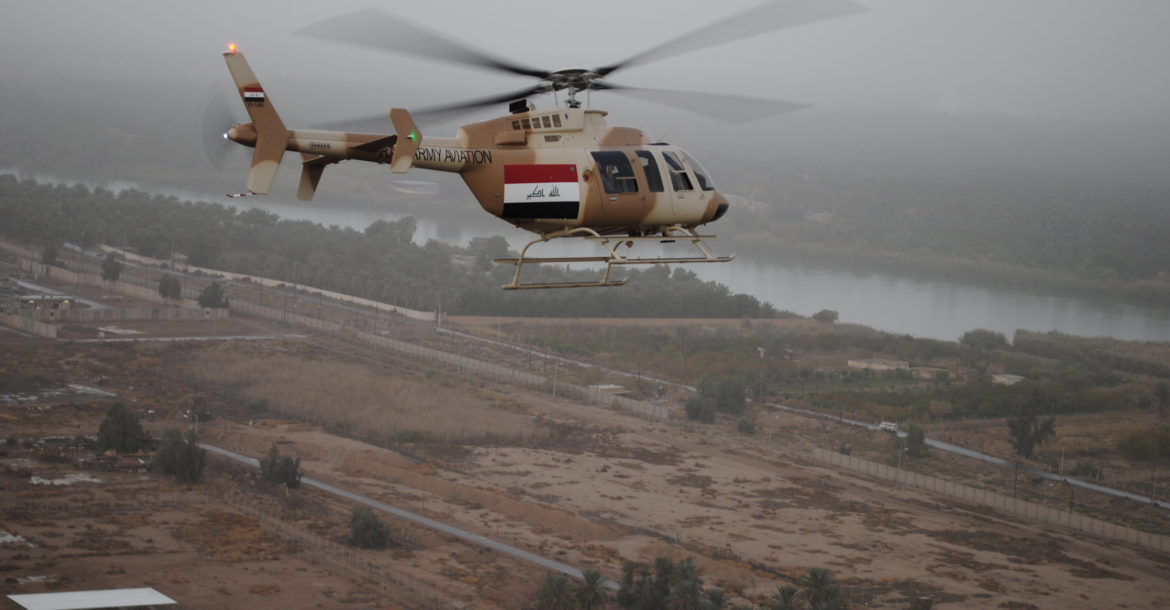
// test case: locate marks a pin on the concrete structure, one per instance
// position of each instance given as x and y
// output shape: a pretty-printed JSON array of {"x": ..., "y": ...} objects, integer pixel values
[
  {"x": 145, "y": 597},
  {"x": 880, "y": 364},
  {"x": 1006, "y": 379}
]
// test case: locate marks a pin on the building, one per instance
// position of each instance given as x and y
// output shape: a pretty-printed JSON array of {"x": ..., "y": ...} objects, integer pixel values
[
  {"x": 1006, "y": 379},
  {"x": 880, "y": 364},
  {"x": 145, "y": 597}
]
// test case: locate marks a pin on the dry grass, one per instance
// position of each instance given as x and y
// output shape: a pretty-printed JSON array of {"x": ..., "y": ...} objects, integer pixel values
[{"x": 363, "y": 401}]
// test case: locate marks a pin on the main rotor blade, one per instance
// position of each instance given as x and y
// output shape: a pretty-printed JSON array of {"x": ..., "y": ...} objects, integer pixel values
[
  {"x": 768, "y": 17},
  {"x": 374, "y": 29},
  {"x": 380, "y": 123},
  {"x": 218, "y": 117},
  {"x": 437, "y": 113},
  {"x": 728, "y": 108}
]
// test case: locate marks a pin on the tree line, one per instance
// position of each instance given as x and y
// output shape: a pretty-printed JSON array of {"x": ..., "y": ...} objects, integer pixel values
[{"x": 381, "y": 262}]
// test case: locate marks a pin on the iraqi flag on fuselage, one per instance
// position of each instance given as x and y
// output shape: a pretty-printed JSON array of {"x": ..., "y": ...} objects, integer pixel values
[
  {"x": 541, "y": 191},
  {"x": 253, "y": 94}
]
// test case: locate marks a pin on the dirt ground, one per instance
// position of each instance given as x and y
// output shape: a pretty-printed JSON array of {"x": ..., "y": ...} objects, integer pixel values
[{"x": 606, "y": 488}]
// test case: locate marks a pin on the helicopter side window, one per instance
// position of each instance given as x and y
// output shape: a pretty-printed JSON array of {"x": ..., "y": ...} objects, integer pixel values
[
  {"x": 617, "y": 175},
  {"x": 679, "y": 180},
  {"x": 700, "y": 173},
  {"x": 650, "y": 168}
]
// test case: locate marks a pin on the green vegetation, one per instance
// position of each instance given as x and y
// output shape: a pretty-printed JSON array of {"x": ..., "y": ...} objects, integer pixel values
[
  {"x": 180, "y": 456},
  {"x": 121, "y": 431},
  {"x": 915, "y": 440},
  {"x": 170, "y": 288},
  {"x": 367, "y": 531},
  {"x": 1004, "y": 226},
  {"x": 1027, "y": 430},
  {"x": 111, "y": 268},
  {"x": 381, "y": 262},
  {"x": 280, "y": 469},
  {"x": 49, "y": 253},
  {"x": 725, "y": 394},
  {"x": 828, "y": 316},
  {"x": 212, "y": 296},
  {"x": 558, "y": 592},
  {"x": 1150, "y": 444}
]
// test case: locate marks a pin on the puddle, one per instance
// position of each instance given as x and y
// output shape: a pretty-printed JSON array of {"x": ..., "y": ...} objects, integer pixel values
[{"x": 68, "y": 479}]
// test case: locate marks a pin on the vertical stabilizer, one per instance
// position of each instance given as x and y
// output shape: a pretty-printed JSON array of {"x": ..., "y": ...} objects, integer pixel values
[{"x": 407, "y": 143}]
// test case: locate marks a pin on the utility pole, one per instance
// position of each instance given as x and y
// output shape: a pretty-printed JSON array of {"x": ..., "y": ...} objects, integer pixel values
[{"x": 898, "y": 473}]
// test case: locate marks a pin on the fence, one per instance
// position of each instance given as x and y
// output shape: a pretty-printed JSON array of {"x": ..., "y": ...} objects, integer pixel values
[
  {"x": 422, "y": 316},
  {"x": 345, "y": 557},
  {"x": 188, "y": 309},
  {"x": 1047, "y": 516},
  {"x": 462, "y": 363}
]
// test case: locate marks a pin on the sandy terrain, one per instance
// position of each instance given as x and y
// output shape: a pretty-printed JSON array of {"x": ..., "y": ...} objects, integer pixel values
[{"x": 598, "y": 489}]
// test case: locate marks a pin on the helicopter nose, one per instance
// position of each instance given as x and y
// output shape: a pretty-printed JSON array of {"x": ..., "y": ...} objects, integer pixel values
[{"x": 717, "y": 207}]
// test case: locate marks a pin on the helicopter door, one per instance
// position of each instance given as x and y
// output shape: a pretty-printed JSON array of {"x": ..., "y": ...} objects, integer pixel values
[
  {"x": 621, "y": 202},
  {"x": 685, "y": 200}
]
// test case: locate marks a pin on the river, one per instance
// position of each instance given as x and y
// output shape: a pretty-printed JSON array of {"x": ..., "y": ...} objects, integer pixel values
[{"x": 922, "y": 308}]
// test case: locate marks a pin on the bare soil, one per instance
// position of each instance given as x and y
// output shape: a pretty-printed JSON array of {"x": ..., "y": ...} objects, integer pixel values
[{"x": 599, "y": 488}]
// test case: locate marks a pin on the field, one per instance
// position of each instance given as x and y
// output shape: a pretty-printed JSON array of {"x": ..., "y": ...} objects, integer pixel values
[{"x": 582, "y": 484}]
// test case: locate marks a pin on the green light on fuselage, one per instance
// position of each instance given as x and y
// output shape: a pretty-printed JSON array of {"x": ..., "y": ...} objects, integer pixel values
[{"x": 413, "y": 136}]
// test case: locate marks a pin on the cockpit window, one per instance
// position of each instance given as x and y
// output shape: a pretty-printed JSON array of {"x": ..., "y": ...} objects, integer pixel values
[
  {"x": 617, "y": 175},
  {"x": 700, "y": 173},
  {"x": 650, "y": 168},
  {"x": 679, "y": 180}
]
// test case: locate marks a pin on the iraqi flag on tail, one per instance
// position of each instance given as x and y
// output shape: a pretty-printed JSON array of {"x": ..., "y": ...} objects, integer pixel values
[
  {"x": 253, "y": 94},
  {"x": 541, "y": 191}
]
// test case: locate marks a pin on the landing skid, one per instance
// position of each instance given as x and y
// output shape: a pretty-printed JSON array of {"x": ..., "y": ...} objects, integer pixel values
[{"x": 611, "y": 244}]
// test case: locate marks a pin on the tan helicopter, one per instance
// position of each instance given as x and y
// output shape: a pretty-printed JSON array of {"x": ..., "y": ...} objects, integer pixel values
[{"x": 559, "y": 173}]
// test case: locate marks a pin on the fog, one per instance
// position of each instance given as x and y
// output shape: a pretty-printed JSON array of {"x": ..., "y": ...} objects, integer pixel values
[{"x": 1059, "y": 85}]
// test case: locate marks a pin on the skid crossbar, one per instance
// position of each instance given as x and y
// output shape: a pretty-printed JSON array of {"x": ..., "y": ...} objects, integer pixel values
[{"x": 611, "y": 243}]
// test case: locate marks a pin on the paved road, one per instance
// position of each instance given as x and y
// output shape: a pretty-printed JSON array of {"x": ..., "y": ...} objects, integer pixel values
[
  {"x": 929, "y": 441},
  {"x": 1024, "y": 468},
  {"x": 198, "y": 338},
  {"x": 451, "y": 530}
]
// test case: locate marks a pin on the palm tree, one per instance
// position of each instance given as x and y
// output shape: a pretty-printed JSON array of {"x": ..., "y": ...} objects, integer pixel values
[
  {"x": 784, "y": 599},
  {"x": 821, "y": 592},
  {"x": 556, "y": 593},
  {"x": 591, "y": 593},
  {"x": 714, "y": 599},
  {"x": 685, "y": 595}
]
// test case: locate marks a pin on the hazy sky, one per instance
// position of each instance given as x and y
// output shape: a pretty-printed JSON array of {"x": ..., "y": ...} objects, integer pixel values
[{"x": 1084, "y": 60}]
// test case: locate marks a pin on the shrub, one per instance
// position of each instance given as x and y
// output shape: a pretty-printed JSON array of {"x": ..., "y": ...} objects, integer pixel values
[
  {"x": 212, "y": 296},
  {"x": 367, "y": 531},
  {"x": 701, "y": 408},
  {"x": 121, "y": 431},
  {"x": 746, "y": 426},
  {"x": 915, "y": 440},
  {"x": 279, "y": 469},
  {"x": 180, "y": 456},
  {"x": 827, "y": 316}
]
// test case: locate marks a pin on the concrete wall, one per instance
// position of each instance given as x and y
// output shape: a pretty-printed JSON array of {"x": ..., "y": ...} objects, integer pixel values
[{"x": 29, "y": 325}]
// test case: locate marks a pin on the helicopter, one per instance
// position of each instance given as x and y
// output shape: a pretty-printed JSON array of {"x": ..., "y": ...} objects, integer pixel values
[{"x": 561, "y": 172}]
